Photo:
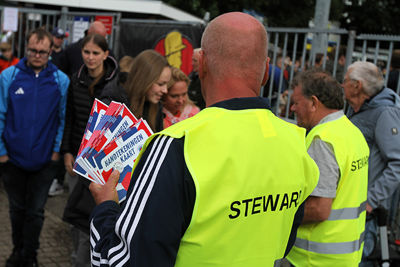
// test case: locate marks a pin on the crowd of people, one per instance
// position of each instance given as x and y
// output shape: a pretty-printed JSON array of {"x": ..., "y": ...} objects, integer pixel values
[{"x": 223, "y": 181}]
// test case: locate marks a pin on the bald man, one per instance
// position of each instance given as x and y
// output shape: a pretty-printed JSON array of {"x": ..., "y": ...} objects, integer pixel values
[
  {"x": 201, "y": 193},
  {"x": 71, "y": 59},
  {"x": 97, "y": 27}
]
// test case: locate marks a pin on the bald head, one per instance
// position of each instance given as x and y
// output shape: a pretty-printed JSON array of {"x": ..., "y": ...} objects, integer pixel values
[
  {"x": 234, "y": 46},
  {"x": 97, "y": 27}
]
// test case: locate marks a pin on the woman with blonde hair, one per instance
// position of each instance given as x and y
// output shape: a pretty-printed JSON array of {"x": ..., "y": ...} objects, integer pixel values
[
  {"x": 177, "y": 105},
  {"x": 146, "y": 84}
]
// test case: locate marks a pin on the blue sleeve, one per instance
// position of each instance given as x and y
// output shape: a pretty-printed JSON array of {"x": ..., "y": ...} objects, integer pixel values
[
  {"x": 6, "y": 78},
  {"x": 388, "y": 140},
  {"x": 63, "y": 83},
  {"x": 146, "y": 230}
]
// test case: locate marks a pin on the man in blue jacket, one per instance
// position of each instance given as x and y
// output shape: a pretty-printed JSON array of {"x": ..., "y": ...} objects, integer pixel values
[
  {"x": 32, "y": 108},
  {"x": 375, "y": 110}
]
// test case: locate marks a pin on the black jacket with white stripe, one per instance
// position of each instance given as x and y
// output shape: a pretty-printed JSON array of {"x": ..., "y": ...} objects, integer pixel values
[{"x": 147, "y": 228}]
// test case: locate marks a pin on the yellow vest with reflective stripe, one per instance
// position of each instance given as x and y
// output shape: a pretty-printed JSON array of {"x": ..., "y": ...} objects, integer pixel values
[
  {"x": 338, "y": 241},
  {"x": 251, "y": 172}
]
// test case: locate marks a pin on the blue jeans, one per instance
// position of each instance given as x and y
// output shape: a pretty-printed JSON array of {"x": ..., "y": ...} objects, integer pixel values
[
  {"x": 27, "y": 195},
  {"x": 371, "y": 233}
]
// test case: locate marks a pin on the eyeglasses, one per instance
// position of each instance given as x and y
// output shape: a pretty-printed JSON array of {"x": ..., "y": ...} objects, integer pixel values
[
  {"x": 4, "y": 50},
  {"x": 34, "y": 52}
]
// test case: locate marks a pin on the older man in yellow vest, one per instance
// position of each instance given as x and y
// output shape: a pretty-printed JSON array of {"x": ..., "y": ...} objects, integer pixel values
[{"x": 334, "y": 218}]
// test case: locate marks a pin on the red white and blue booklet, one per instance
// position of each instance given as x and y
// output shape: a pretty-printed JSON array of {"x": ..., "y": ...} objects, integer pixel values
[{"x": 112, "y": 140}]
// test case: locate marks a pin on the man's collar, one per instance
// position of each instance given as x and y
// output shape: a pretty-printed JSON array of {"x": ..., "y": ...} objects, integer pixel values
[
  {"x": 244, "y": 103},
  {"x": 332, "y": 116}
]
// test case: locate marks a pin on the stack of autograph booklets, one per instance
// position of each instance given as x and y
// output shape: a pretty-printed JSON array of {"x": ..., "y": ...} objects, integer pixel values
[{"x": 112, "y": 140}]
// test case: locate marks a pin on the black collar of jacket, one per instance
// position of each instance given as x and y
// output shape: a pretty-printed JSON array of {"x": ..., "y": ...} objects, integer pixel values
[
  {"x": 244, "y": 103},
  {"x": 111, "y": 70}
]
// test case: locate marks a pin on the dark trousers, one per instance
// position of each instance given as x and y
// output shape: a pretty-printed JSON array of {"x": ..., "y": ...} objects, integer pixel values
[
  {"x": 27, "y": 195},
  {"x": 60, "y": 171}
]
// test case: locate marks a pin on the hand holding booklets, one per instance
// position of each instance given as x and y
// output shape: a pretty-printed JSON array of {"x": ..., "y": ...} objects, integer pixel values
[{"x": 112, "y": 140}]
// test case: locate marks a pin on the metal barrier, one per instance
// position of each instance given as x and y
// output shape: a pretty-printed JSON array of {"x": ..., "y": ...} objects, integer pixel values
[
  {"x": 32, "y": 18},
  {"x": 381, "y": 47},
  {"x": 29, "y": 19},
  {"x": 296, "y": 44},
  {"x": 67, "y": 19}
]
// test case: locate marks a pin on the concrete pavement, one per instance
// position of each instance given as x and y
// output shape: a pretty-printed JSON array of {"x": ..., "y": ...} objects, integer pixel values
[{"x": 55, "y": 241}]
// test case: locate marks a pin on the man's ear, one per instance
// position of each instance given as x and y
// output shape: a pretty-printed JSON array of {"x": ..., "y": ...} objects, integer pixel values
[
  {"x": 315, "y": 102},
  {"x": 202, "y": 64},
  {"x": 266, "y": 75},
  {"x": 359, "y": 87}
]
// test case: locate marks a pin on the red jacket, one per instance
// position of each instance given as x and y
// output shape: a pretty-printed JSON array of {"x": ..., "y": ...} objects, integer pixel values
[{"x": 4, "y": 64}]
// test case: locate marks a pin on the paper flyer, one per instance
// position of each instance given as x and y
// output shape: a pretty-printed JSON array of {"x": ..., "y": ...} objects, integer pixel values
[
  {"x": 121, "y": 154},
  {"x": 98, "y": 110},
  {"x": 112, "y": 140}
]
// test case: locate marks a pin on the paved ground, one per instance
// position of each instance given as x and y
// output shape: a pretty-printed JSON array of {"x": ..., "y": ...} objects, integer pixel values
[{"x": 55, "y": 241}]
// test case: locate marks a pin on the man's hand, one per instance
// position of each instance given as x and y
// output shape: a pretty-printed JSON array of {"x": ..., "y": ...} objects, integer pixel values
[
  {"x": 69, "y": 163},
  {"x": 4, "y": 159},
  {"x": 369, "y": 209},
  {"x": 317, "y": 209},
  {"x": 105, "y": 192},
  {"x": 55, "y": 156}
]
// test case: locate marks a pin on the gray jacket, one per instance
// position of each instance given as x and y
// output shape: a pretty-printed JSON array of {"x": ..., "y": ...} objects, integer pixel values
[{"x": 379, "y": 121}]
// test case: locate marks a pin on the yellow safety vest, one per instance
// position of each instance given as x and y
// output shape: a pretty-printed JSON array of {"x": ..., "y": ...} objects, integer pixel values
[
  {"x": 251, "y": 172},
  {"x": 339, "y": 240}
]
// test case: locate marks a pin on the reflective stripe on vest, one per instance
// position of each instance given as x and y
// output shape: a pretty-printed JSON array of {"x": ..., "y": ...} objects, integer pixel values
[
  {"x": 330, "y": 248},
  {"x": 347, "y": 213}
]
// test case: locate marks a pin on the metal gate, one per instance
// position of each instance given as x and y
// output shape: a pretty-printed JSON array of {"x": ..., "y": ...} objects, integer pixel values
[
  {"x": 67, "y": 19},
  {"x": 32, "y": 18},
  {"x": 292, "y": 43},
  {"x": 29, "y": 19},
  {"x": 296, "y": 45}
]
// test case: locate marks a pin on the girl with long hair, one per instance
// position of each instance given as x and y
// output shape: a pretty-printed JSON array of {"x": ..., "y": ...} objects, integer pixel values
[{"x": 146, "y": 84}]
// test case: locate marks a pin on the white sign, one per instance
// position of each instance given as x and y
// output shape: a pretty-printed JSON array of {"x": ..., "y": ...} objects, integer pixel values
[
  {"x": 10, "y": 19},
  {"x": 81, "y": 24}
]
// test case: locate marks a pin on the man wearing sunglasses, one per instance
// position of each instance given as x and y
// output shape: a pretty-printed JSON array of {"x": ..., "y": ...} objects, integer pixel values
[{"x": 32, "y": 109}]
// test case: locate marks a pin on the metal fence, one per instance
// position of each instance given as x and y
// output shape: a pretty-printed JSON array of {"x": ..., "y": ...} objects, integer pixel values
[
  {"x": 67, "y": 19},
  {"x": 29, "y": 19},
  {"x": 32, "y": 18},
  {"x": 291, "y": 49},
  {"x": 295, "y": 46}
]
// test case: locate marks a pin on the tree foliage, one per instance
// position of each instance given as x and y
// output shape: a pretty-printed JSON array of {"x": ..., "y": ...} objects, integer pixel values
[
  {"x": 283, "y": 13},
  {"x": 373, "y": 16},
  {"x": 366, "y": 16}
]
